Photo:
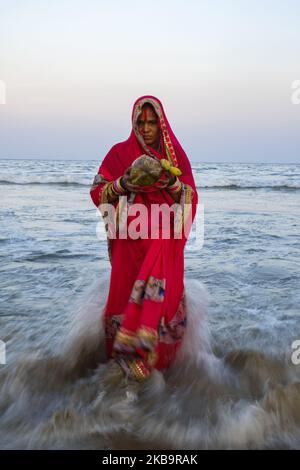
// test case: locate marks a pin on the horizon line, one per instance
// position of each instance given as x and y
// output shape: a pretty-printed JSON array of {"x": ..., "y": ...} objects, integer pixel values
[{"x": 191, "y": 161}]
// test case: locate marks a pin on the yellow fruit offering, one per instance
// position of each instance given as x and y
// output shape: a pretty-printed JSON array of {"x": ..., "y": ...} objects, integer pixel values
[
  {"x": 172, "y": 169},
  {"x": 175, "y": 171},
  {"x": 165, "y": 164}
]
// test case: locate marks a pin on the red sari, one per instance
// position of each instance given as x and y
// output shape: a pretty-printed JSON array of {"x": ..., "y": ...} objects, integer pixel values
[{"x": 145, "y": 313}]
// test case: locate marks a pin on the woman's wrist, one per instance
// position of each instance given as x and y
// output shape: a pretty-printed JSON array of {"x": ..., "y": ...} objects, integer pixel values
[
  {"x": 118, "y": 187},
  {"x": 175, "y": 186},
  {"x": 172, "y": 181}
]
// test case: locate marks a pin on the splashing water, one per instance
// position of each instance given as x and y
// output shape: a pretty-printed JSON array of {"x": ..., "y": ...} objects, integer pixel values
[{"x": 207, "y": 399}]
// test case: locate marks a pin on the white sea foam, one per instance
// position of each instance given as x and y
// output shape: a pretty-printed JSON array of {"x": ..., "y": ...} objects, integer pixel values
[{"x": 241, "y": 400}]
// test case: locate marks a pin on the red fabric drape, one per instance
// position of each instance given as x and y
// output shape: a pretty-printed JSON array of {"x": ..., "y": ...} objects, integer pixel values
[{"x": 145, "y": 314}]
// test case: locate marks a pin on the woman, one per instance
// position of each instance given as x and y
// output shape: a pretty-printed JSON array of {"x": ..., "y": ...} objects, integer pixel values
[{"x": 145, "y": 313}]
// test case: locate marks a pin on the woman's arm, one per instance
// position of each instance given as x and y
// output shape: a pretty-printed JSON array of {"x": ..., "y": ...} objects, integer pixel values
[
  {"x": 174, "y": 188},
  {"x": 104, "y": 191}
]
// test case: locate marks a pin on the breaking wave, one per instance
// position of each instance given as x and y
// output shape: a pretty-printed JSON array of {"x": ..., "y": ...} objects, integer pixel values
[{"x": 207, "y": 399}]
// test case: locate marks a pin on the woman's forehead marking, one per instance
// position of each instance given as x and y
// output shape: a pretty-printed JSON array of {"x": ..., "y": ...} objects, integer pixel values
[{"x": 147, "y": 114}]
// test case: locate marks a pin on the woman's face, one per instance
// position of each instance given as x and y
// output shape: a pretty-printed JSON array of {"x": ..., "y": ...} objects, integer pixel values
[{"x": 148, "y": 126}]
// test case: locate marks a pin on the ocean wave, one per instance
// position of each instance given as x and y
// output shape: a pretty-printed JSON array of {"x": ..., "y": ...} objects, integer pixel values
[
  {"x": 249, "y": 186},
  {"x": 49, "y": 256},
  {"x": 49, "y": 181},
  {"x": 88, "y": 182},
  {"x": 208, "y": 399}
]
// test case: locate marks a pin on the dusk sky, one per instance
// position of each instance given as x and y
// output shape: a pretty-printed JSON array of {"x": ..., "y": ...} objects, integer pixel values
[{"x": 223, "y": 70}]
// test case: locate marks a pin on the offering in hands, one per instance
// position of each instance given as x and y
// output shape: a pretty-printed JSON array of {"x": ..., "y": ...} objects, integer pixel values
[{"x": 145, "y": 171}]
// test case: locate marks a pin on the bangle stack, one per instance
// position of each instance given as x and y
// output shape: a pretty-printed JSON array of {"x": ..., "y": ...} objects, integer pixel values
[
  {"x": 116, "y": 188},
  {"x": 175, "y": 187}
]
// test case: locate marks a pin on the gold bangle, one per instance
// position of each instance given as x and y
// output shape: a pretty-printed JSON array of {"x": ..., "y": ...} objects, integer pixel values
[
  {"x": 175, "y": 187},
  {"x": 110, "y": 190},
  {"x": 118, "y": 188}
]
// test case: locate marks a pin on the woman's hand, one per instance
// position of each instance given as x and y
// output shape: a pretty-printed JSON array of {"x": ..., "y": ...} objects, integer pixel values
[
  {"x": 171, "y": 179},
  {"x": 126, "y": 182}
]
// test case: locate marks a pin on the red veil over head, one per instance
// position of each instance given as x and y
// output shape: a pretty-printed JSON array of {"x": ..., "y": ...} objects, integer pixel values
[
  {"x": 145, "y": 314},
  {"x": 122, "y": 155}
]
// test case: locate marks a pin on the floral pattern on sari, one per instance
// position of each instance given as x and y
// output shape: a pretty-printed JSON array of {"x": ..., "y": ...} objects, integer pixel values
[
  {"x": 112, "y": 324},
  {"x": 124, "y": 341},
  {"x": 138, "y": 291},
  {"x": 174, "y": 330},
  {"x": 168, "y": 332},
  {"x": 147, "y": 338},
  {"x": 136, "y": 352},
  {"x": 155, "y": 289}
]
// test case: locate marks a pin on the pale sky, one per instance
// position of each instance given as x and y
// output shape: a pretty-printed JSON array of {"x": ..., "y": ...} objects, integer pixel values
[{"x": 223, "y": 70}]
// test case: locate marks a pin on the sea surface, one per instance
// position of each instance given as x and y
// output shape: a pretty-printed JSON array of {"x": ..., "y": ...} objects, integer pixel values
[{"x": 52, "y": 257}]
